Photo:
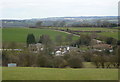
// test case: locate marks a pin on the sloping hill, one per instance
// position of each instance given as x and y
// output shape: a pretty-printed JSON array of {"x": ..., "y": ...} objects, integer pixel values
[{"x": 20, "y": 34}]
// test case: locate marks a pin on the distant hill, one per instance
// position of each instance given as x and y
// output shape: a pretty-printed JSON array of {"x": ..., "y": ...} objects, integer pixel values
[{"x": 49, "y": 21}]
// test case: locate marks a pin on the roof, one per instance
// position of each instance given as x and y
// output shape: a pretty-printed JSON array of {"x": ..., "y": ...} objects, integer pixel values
[{"x": 103, "y": 46}]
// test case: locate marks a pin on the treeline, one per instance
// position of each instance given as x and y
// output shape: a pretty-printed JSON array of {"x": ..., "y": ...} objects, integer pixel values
[
  {"x": 97, "y": 23},
  {"x": 27, "y": 59},
  {"x": 71, "y": 59}
]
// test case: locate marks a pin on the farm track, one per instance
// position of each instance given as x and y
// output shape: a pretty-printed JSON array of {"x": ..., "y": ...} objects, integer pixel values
[{"x": 67, "y": 33}]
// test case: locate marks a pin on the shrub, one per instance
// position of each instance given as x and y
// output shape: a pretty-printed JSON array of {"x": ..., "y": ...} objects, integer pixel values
[
  {"x": 59, "y": 62},
  {"x": 87, "y": 56},
  {"x": 41, "y": 60},
  {"x": 75, "y": 62},
  {"x": 44, "y": 60}
]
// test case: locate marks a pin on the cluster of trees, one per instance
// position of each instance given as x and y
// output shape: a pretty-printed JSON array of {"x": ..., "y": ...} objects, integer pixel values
[
  {"x": 83, "y": 40},
  {"x": 26, "y": 59},
  {"x": 72, "y": 59},
  {"x": 103, "y": 60}
]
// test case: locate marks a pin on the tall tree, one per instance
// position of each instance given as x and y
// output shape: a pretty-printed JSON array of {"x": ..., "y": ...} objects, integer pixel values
[
  {"x": 30, "y": 39},
  {"x": 48, "y": 44}
]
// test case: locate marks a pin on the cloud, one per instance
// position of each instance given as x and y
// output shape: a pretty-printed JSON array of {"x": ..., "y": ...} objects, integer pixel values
[{"x": 49, "y": 8}]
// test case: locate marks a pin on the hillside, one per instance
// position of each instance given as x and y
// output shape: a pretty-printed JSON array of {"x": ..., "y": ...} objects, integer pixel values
[{"x": 20, "y": 34}]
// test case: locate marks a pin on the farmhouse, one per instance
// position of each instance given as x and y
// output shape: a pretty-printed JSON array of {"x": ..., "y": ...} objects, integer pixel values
[
  {"x": 95, "y": 41},
  {"x": 102, "y": 46},
  {"x": 36, "y": 47}
]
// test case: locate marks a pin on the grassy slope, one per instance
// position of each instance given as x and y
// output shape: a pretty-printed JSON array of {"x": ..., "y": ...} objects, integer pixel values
[
  {"x": 31, "y": 73},
  {"x": 107, "y": 34},
  {"x": 20, "y": 34}
]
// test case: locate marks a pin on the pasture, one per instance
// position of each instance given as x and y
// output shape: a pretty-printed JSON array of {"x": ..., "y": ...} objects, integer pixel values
[
  {"x": 20, "y": 34},
  {"x": 108, "y": 32},
  {"x": 36, "y": 73},
  {"x": 87, "y": 28}
]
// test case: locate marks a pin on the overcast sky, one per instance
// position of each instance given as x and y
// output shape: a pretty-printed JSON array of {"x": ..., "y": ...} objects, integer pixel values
[{"x": 23, "y": 9}]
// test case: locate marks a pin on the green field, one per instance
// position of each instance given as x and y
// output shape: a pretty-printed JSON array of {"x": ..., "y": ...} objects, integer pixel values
[
  {"x": 87, "y": 28},
  {"x": 35, "y": 73},
  {"x": 20, "y": 34},
  {"x": 109, "y": 32}
]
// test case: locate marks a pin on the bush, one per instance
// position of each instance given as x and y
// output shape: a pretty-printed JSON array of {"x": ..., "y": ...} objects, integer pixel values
[
  {"x": 41, "y": 60},
  {"x": 87, "y": 56},
  {"x": 59, "y": 62},
  {"x": 75, "y": 62},
  {"x": 44, "y": 60}
]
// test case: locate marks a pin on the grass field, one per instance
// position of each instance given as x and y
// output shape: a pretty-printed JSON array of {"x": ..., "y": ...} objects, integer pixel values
[
  {"x": 31, "y": 73},
  {"x": 109, "y": 32},
  {"x": 87, "y": 28},
  {"x": 20, "y": 34}
]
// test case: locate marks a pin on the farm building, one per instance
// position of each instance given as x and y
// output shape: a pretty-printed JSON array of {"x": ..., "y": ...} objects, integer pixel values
[
  {"x": 102, "y": 46},
  {"x": 61, "y": 50},
  {"x": 36, "y": 47},
  {"x": 95, "y": 41}
]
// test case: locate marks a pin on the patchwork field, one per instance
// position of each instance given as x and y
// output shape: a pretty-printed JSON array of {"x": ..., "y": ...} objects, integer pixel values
[
  {"x": 20, "y": 34},
  {"x": 35, "y": 73}
]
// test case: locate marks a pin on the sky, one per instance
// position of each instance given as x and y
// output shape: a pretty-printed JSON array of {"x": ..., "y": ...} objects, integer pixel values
[{"x": 27, "y": 9}]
